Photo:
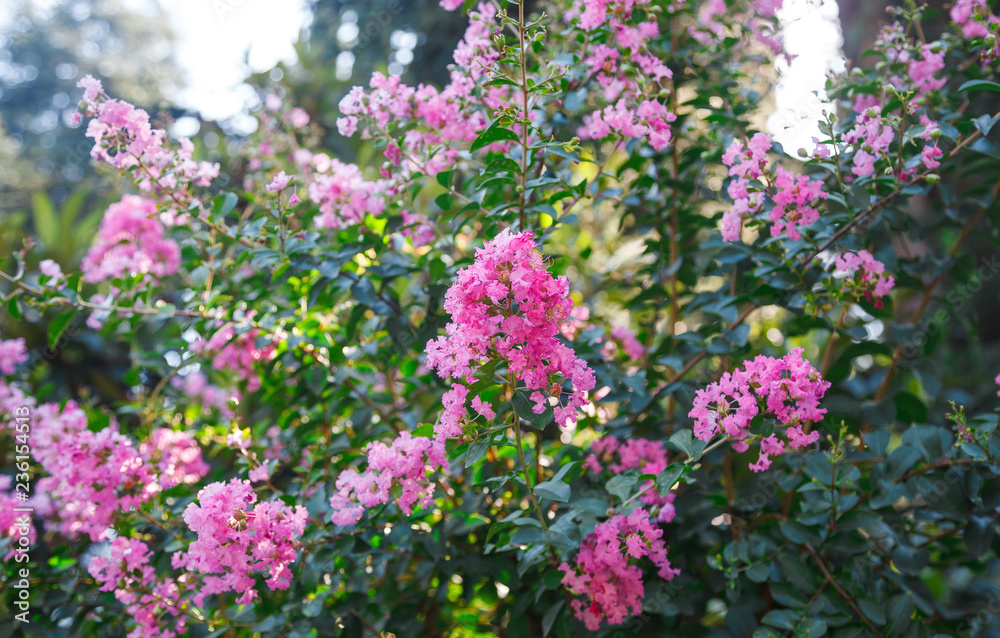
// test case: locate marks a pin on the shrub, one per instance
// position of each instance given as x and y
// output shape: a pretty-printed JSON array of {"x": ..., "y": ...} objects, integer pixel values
[{"x": 585, "y": 354}]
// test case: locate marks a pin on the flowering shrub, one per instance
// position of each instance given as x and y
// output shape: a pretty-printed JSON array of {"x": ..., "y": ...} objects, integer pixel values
[{"x": 485, "y": 386}]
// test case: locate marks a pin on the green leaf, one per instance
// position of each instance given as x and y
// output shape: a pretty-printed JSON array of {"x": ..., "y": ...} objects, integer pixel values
[
  {"x": 684, "y": 441},
  {"x": 856, "y": 519},
  {"x": 523, "y": 407},
  {"x": 477, "y": 450},
  {"x": 44, "y": 215},
  {"x": 872, "y": 610},
  {"x": 621, "y": 486},
  {"x": 810, "y": 628},
  {"x": 224, "y": 204},
  {"x": 495, "y": 133},
  {"x": 563, "y": 470},
  {"x": 553, "y": 490},
  {"x": 979, "y": 85},
  {"x": 669, "y": 477},
  {"x": 14, "y": 308},
  {"x": 985, "y": 123},
  {"x": 877, "y": 441},
  {"x": 780, "y": 618},
  {"x": 58, "y": 326},
  {"x": 444, "y": 178},
  {"x": 443, "y": 201},
  {"x": 978, "y": 535},
  {"x": 902, "y": 459},
  {"x": 909, "y": 408}
]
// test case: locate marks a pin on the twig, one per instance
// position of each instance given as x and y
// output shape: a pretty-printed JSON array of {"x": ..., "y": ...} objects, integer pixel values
[{"x": 840, "y": 590}]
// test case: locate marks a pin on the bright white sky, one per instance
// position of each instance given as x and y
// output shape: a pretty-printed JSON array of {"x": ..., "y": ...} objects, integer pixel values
[
  {"x": 216, "y": 39},
  {"x": 812, "y": 35}
]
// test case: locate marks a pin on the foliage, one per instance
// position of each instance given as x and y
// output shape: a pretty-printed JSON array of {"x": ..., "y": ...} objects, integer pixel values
[{"x": 584, "y": 354}]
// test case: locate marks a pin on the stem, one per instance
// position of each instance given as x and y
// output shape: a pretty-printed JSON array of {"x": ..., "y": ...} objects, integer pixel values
[
  {"x": 832, "y": 342},
  {"x": 538, "y": 458},
  {"x": 366, "y": 624},
  {"x": 182, "y": 205},
  {"x": 152, "y": 520},
  {"x": 527, "y": 474},
  {"x": 524, "y": 112},
  {"x": 133, "y": 310},
  {"x": 840, "y": 590},
  {"x": 727, "y": 479},
  {"x": 687, "y": 461}
]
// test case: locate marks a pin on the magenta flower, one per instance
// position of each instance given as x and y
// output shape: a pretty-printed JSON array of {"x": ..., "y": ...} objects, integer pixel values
[
  {"x": 606, "y": 572},
  {"x": 787, "y": 390},
  {"x": 237, "y": 537},
  {"x": 131, "y": 240},
  {"x": 507, "y": 306},
  {"x": 634, "y": 454}
]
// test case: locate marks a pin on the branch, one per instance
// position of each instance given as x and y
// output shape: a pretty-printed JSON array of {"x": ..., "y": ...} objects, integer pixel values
[{"x": 840, "y": 590}]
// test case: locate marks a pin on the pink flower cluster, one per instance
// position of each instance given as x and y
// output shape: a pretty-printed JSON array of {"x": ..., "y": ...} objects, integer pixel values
[
  {"x": 126, "y": 571},
  {"x": 921, "y": 70},
  {"x": 650, "y": 121},
  {"x": 922, "y": 61},
  {"x": 418, "y": 228},
  {"x": 175, "y": 455},
  {"x": 595, "y": 12},
  {"x": 606, "y": 571},
  {"x": 196, "y": 387},
  {"x": 507, "y": 306},
  {"x": 716, "y": 21},
  {"x": 793, "y": 195},
  {"x": 12, "y": 398},
  {"x": 865, "y": 275},
  {"x": 977, "y": 21},
  {"x": 54, "y": 273},
  {"x": 787, "y": 390},
  {"x": 746, "y": 164},
  {"x": 434, "y": 120},
  {"x": 619, "y": 338},
  {"x": 644, "y": 455},
  {"x": 131, "y": 240},
  {"x": 871, "y": 135},
  {"x": 611, "y": 60},
  {"x": 965, "y": 13},
  {"x": 624, "y": 43},
  {"x": 124, "y": 138},
  {"x": 344, "y": 196},
  {"x": 92, "y": 476},
  {"x": 236, "y": 352},
  {"x": 629, "y": 342},
  {"x": 238, "y": 536},
  {"x": 13, "y": 353},
  {"x": 793, "y": 198},
  {"x": 404, "y": 463}
]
